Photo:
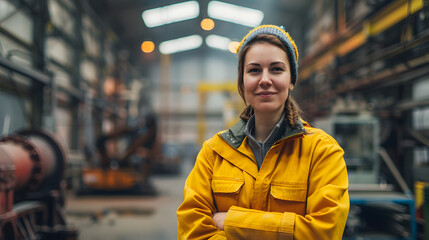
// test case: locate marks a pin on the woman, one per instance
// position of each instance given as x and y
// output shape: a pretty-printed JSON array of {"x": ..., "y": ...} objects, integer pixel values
[{"x": 271, "y": 176}]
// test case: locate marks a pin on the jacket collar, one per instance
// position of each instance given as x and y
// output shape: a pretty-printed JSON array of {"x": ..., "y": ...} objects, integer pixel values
[{"x": 235, "y": 135}]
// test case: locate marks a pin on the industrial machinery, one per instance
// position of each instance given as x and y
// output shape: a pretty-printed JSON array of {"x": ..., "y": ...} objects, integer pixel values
[
  {"x": 32, "y": 165},
  {"x": 123, "y": 162},
  {"x": 371, "y": 57},
  {"x": 382, "y": 205}
]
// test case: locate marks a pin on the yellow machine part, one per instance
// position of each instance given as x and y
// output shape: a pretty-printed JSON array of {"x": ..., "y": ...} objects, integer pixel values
[
  {"x": 419, "y": 193},
  {"x": 110, "y": 179},
  {"x": 234, "y": 103}
]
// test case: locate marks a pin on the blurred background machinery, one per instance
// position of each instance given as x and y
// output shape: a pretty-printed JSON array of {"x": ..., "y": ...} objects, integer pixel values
[
  {"x": 378, "y": 208},
  {"x": 364, "y": 80},
  {"x": 32, "y": 166},
  {"x": 123, "y": 160}
]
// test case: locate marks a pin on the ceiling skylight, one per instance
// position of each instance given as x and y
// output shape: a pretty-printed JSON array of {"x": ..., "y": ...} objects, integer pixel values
[
  {"x": 180, "y": 44},
  {"x": 218, "y": 42},
  {"x": 236, "y": 14},
  {"x": 171, "y": 13}
]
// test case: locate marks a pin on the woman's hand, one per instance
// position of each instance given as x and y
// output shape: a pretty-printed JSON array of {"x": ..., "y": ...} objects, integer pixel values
[{"x": 219, "y": 219}]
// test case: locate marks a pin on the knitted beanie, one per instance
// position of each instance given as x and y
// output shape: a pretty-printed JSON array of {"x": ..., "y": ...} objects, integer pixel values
[{"x": 280, "y": 33}]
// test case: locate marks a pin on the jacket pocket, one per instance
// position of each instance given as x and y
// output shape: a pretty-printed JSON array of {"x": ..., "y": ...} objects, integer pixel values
[
  {"x": 288, "y": 197},
  {"x": 226, "y": 193}
]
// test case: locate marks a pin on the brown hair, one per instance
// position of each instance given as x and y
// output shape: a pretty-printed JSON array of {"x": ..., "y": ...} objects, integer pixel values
[{"x": 291, "y": 107}]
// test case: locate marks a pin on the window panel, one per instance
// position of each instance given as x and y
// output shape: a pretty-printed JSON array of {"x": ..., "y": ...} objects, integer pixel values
[
  {"x": 6, "y": 9},
  {"x": 16, "y": 22},
  {"x": 109, "y": 57},
  {"x": 421, "y": 89},
  {"x": 421, "y": 118},
  {"x": 64, "y": 124},
  {"x": 9, "y": 47},
  {"x": 61, "y": 77},
  {"x": 69, "y": 3},
  {"x": 88, "y": 71},
  {"x": 90, "y": 37},
  {"x": 12, "y": 113},
  {"x": 59, "y": 50},
  {"x": 61, "y": 17}
]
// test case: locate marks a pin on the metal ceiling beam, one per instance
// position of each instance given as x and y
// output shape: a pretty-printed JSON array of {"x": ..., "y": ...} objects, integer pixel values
[{"x": 351, "y": 39}]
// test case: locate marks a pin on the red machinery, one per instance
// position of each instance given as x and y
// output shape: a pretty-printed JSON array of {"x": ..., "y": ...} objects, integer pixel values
[{"x": 32, "y": 165}]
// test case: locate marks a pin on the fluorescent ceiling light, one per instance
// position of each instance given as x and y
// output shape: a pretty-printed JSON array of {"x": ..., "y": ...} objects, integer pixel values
[
  {"x": 180, "y": 44},
  {"x": 236, "y": 14},
  {"x": 171, "y": 13},
  {"x": 218, "y": 42}
]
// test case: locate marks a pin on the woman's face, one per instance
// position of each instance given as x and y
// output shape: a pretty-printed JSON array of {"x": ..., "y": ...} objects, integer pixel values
[{"x": 266, "y": 78}]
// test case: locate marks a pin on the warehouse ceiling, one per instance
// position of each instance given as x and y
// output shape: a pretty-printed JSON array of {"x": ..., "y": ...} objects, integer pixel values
[{"x": 125, "y": 18}]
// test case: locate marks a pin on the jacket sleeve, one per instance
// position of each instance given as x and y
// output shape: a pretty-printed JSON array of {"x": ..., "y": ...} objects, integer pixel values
[
  {"x": 327, "y": 204},
  {"x": 195, "y": 213}
]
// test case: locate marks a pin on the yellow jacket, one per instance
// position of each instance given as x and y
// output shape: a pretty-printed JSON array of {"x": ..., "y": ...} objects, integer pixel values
[{"x": 300, "y": 191}]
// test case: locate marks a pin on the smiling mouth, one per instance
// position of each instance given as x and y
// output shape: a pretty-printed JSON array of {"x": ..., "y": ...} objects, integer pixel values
[{"x": 265, "y": 94}]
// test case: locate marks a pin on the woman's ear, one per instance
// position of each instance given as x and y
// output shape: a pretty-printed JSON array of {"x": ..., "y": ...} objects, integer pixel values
[{"x": 291, "y": 86}]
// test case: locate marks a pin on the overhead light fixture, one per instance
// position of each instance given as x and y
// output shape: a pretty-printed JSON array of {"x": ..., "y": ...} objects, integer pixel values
[
  {"x": 219, "y": 42},
  {"x": 171, "y": 13},
  {"x": 147, "y": 46},
  {"x": 180, "y": 44},
  {"x": 233, "y": 46},
  {"x": 207, "y": 24},
  {"x": 235, "y": 14}
]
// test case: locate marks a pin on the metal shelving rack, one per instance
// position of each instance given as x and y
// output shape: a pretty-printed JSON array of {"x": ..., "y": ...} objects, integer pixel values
[{"x": 372, "y": 64}]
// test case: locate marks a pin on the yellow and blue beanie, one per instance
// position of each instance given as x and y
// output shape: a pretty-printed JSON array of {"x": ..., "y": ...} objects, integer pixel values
[{"x": 282, "y": 35}]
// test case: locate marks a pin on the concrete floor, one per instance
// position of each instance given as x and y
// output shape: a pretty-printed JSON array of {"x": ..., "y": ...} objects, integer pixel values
[{"x": 130, "y": 217}]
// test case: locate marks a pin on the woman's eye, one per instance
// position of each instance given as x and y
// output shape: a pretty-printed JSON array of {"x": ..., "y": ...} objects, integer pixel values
[
  {"x": 253, "y": 70},
  {"x": 277, "y": 69}
]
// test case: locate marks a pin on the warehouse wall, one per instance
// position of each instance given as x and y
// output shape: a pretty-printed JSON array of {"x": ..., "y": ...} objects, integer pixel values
[
  {"x": 175, "y": 92},
  {"x": 67, "y": 53}
]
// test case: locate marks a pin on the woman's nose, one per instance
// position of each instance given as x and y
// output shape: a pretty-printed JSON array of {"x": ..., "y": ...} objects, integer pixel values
[{"x": 265, "y": 78}]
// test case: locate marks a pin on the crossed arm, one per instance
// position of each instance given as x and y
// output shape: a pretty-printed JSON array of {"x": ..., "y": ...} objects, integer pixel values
[{"x": 327, "y": 207}]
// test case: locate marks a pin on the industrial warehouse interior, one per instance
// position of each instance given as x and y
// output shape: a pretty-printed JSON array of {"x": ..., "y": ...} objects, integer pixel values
[{"x": 105, "y": 106}]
